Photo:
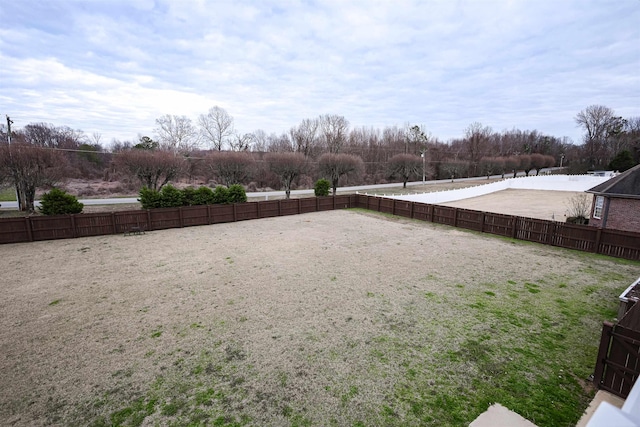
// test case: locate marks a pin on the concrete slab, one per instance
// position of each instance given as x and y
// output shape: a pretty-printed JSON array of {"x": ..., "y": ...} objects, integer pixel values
[
  {"x": 601, "y": 396},
  {"x": 499, "y": 416}
]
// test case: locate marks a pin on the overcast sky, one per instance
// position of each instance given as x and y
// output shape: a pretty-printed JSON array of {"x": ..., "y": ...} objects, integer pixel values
[{"x": 114, "y": 66}]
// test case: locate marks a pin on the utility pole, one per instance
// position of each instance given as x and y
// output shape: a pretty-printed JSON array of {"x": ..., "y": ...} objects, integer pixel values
[{"x": 9, "y": 123}]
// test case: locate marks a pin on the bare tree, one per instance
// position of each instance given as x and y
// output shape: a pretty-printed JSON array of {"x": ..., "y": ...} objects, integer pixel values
[
  {"x": 334, "y": 130},
  {"x": 477, "y": 138},
  {"x": 525, "y": 163},
  {"x": 334, "y": 166},
  {"x": 405, "y": 166},
  {"x": 491, "y": 165},
  {"x": 260, "y": 141},
  {"x": 596, "y": 120},
  {"x": 240, "y": 141},
  {"x": 28, "y": 168},
  {"x": 176, "y": 133},
  {"x": 511, "y": 163},
  {"x": 287, "y": 166},
  {"x": 454, "y": 168},
  {"x": 216, "y": 127},
  {"x": 305, "y": 136},
  {"x": 50, "y": 136},
  {"x": 578, "y": 208},
  {"x": 230, "y": 167},
  {"x": 154, "y": 169}
]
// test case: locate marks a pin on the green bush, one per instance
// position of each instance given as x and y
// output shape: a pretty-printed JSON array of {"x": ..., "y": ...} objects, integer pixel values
[
  {"x": 321, "y": 188},
  {"x": 220, "y": 195},
  {"x": 171, "y": 197},
  {"x": 58, "y": 202},
  {"x": 203, "y": 196},
  {"x": 150, "y": 199},
  {"x": 237, "y": 194}
]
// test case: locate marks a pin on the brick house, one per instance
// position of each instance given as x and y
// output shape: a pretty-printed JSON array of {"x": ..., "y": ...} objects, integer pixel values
[{"x": 616, "y": 202}]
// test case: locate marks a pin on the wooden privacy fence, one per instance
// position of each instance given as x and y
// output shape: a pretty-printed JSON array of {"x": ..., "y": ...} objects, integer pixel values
[
  {"x": 29, "y": 229},
  {"x": 614, "y": 243},
  {"x": 618, "y": 363},
  {"x": 620, "y": 244}
]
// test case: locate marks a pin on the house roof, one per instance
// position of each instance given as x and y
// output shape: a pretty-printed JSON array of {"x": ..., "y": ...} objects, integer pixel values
[{"x": 626, "y": 185}]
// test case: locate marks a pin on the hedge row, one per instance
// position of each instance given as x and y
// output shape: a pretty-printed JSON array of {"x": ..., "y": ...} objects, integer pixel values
[{"x": 171, "y": 197}]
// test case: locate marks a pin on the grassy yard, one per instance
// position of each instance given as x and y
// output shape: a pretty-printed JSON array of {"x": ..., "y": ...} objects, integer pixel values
[{"x": 340, "y": 318}]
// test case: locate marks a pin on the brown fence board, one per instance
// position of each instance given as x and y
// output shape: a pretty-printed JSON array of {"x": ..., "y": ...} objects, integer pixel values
[
  {"x": 472, "y": 220},
  {"x": 164, "y": 218},
  {"x": 246, "y": 211},
  {"x": 128, "y": 219},
  {"x": 96, "y": 224},
  {"x": 195, "y": 215},
  {"x": 620, "y": 244},
  {"x": 444, "y": 215},
  {"x": 571, "y": 236},
  {"x": 289, "y": 207},
  {"x": 402, "y": 208},
  {"x": 499, "y": 224},
  {"x": 14, "y": 230},
  {"x": 51, "y": 227}
]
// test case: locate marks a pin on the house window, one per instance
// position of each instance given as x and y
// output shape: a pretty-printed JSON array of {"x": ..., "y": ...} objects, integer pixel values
[{"x": 597, "y": 210}]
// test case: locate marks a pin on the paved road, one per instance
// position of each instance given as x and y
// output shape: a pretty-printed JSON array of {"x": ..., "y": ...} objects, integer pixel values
[{"x": 267, "y": 194}]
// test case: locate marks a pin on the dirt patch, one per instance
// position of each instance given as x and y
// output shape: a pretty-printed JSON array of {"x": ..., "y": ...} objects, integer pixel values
[
  {"x": 549, "y": 205},
  {"x": 331, "y": 318}
]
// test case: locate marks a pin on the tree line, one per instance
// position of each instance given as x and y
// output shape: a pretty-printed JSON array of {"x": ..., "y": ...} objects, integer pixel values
[{"x": 211, "y": 149}]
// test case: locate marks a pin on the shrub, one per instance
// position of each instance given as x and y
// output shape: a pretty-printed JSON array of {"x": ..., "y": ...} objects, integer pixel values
[
  {"x": 236, "y": 194},
  {"x": 321, "y": 188},
  {"x": 220, "y": 195},
  {"x": 171, "y": 197},
  {"x": 58, "y": 202},
  {"x": 203, "y": 196},
  {"x": 150, "y": 199}
]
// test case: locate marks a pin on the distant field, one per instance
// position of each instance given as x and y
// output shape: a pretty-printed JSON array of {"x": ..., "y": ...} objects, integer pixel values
[{"x": 345, "y": 318}]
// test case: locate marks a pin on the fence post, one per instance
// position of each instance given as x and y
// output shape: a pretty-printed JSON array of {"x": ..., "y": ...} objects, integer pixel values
[
  {"x": 27, "y": 221},
  {"x": 430, "y": 213},
  {"x": 235, "y": 216},
  {"x": 299, "y": 208},
  {"x": 279, "y": 208},
  {"x": 74, "y": 232},
  {"x": 411, "y": 205},
  {"x": 393, "y": 206},
  {"x": 113, "y": 223},
  {"x": 317, "y": 204},
  {"x": 455, "y": 217},
  {"x": 603, "y": 350},
  {"x": 149, "y": 227},
  {"x": 180, "y": 216},
  {"x": 209, "y": 214},
  {"x": 482, "y": 222},
  {"x": 378, "y": 207},
  {"x": 596, "y": 247},
  {"x": 334, "y": 202},
  {"x": 551, "y": 231},
  {"x": 514, "y": 227}
]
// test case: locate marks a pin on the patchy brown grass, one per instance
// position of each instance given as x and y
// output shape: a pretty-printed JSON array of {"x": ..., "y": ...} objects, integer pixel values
[{"x": 332, "y": 318}]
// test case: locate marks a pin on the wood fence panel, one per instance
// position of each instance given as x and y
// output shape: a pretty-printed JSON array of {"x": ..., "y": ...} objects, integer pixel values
[
  {"x": 307, "y": 205},
  {"x": 269, "y": 208},
  {"x": 620, "y": 244},
  {"x": 342, "y": 201},
  {"x": 246, "y": 211},
  {"x": 621, "y": 367},
  {"x": 325, "y": 203},
  {"x": 289, "y": 207},
  {"x": 51, "y": 227},
  {"x": 471, "y": 220},
  {"x": 402, "y": 208},
  {"x": 421, "y": 211},
  {"x": 14, "y": 230},
  {"x": 195, "y": 215},
  {"x": 571, "y": 236},
  {"x": 386, "y": 205},
  {"x": 498, "y": 224},
  {"x": 444, "y": 215},
  {"x": 125, "y": 220},
  {"x": 532, "y": 230},
  {"x": 96, "y": 224},
  {"x": 164, "y": 218},
  {"x": 362, "y": 201},
  {"x": 221, "y": 213}
]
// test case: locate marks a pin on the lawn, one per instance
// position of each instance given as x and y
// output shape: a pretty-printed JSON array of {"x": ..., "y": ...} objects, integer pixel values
[{"x": 343, "y": 318}]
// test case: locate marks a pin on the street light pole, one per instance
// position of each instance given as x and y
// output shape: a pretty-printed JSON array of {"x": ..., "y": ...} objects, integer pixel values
[
  {"x": 424, "y": 159},
  {"x": 561, "y": 159}
]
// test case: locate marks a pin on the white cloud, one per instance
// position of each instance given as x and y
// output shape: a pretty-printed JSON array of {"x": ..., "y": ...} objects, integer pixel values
[{"x": 114, "y": 66}]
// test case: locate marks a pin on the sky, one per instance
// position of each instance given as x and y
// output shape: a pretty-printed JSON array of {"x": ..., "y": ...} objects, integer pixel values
[{"x": 112, "y": 67}]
